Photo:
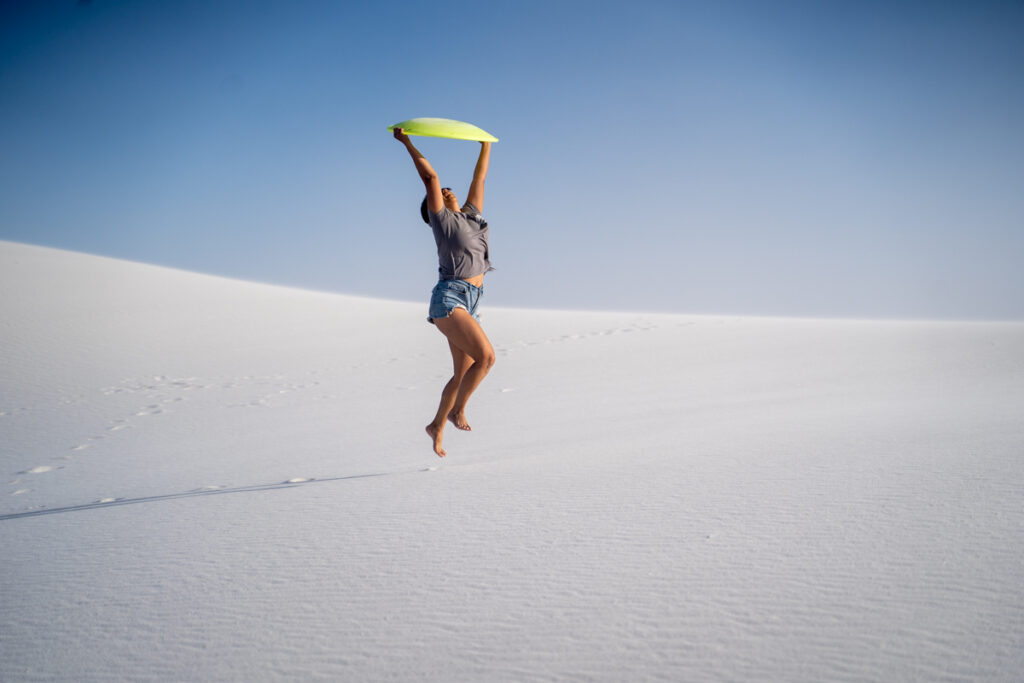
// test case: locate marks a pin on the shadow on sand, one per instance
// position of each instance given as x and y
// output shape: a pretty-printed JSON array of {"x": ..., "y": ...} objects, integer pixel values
[{"x": 200, "y": 492}]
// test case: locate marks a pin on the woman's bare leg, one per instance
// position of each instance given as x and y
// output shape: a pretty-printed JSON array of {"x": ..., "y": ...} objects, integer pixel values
[
  {"x": 461, "y": 362},
  {"x": 472, "y": 358}
]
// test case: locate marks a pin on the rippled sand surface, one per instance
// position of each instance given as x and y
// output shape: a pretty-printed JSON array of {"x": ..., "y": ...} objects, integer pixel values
[{"x": 206, "y": 479}]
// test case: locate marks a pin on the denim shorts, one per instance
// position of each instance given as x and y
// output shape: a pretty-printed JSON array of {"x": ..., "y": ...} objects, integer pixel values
[{"x": 451, "y": 294}]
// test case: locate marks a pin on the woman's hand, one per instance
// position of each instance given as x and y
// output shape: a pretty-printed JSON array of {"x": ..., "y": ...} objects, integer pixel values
[{"x": 401, "y": 136}]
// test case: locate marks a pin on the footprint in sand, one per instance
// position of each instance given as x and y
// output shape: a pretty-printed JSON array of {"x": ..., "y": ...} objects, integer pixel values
[
  {"x": 251, "y": 404},
  {"x": 42, "y": 469}
]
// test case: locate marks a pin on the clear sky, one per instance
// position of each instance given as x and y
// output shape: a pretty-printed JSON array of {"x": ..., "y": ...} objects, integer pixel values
[{"x": 793, "y": 158}]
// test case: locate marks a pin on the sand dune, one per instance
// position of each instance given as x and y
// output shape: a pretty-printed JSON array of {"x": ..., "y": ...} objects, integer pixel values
[{"x": 208, "y": 479}]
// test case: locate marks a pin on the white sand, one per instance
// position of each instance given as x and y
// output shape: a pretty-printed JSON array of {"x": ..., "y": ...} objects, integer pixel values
[{"x": 214, "y": 480}]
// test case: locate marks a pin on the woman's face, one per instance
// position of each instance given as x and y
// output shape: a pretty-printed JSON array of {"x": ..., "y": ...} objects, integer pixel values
[{"x": 450, "y": 200}]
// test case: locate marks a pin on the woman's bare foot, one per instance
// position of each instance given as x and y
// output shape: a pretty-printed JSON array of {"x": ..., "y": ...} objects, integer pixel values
[
  {"x": 435, "y": 433},
  {"x": 459, "y": 420}
]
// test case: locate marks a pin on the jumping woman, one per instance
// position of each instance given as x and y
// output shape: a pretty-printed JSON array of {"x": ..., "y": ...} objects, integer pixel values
[{"x": 461, "y": 236}]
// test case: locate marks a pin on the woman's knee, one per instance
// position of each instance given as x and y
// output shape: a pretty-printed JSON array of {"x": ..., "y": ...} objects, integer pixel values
[
  {"x": 483, "y": 356},
  {"x": 487, "y": 358}
]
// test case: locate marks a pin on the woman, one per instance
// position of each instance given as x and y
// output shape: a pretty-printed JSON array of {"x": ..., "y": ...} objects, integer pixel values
[{"x": 461, "y": 236}]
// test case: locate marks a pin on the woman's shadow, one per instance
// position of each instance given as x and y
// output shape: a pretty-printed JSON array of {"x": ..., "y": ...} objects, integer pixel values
[{"x": 195, "y": 493}]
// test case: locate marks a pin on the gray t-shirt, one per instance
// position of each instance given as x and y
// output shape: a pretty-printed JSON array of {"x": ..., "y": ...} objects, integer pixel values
[{"x": 461, "y": 242}]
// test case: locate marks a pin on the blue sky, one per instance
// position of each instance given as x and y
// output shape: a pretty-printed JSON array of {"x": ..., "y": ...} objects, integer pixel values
[{"x": 793, "y": 158}]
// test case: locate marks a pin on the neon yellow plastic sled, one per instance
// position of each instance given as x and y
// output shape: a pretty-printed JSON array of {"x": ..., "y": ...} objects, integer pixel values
[{"x": 444, "y": 128}]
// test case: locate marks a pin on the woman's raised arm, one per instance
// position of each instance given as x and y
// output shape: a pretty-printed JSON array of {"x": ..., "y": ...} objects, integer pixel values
[
  {"x": 476, "y": 188},
  {"x": 435, "y": 202}
]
